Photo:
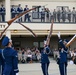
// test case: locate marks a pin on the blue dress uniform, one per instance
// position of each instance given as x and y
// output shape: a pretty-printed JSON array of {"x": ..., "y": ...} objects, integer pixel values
[
  {"x": 43, "y": 15},
  {"x": 1, "y": 63},
  {"x": 45, "y": 60},
  {"x": 2, "y": 10},
  {"x": 63, "y": 59},
  {"x": 19, "y": 10},
  {"x": 13, "y": 11},
  {"x": 26, "y": 17},
  {"x": 10, "y": 58}
]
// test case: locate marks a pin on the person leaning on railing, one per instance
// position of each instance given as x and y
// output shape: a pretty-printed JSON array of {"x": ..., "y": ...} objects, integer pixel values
[{"x": 2, "y": 12}]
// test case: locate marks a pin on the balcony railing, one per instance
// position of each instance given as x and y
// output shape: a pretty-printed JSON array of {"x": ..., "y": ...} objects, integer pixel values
[{"x": 39, "y": 17}]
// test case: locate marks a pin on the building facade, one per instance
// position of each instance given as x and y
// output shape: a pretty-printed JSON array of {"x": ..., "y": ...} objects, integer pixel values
[{"x": 23, "y": 38}]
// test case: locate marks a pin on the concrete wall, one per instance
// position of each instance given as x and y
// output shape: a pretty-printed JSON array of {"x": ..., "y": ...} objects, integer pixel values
[
  {"x": 50, "y": 4},
  {"x": 40, "y": 28}
]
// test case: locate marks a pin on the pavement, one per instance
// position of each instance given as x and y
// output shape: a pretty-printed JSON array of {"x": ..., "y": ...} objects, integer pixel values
[{"x": 35, "y": 69}]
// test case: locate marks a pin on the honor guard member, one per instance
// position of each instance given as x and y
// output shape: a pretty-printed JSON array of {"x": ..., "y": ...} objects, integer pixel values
[
  {"x": 45, "y": 52},
  {"x": 45, "y": 60},
  {"x": 10, "y": 58},
  {"x": 62, "y": 56}
]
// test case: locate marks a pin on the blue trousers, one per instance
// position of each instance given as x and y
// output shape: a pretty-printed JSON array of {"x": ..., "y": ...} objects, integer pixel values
[
  {"x": 63, "y": 68},
  {"x": 8, "y": 70},
  {"x": 44, "y": 67},
  {"x": 0, "y": 70}
]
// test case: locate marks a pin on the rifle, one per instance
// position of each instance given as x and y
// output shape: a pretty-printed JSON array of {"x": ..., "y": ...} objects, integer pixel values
[
  {"x": 28, "y": 29},
  {"x": 71, "y": 41},
  {"x": 50, "y": 34}
]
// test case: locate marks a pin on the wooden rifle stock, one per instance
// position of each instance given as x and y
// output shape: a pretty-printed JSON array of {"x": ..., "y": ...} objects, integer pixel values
[
  {"x": 28, "y": 29},
  {"x": 51, "y": 28},
  {"x": 13, "y": 19},
  {"x": 72, "y": 40},
  {"x": 50, "y": 33},
  {"x": 3, "y": 31}
]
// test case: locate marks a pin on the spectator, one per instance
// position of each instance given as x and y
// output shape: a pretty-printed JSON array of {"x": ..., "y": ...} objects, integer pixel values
[
  {"x": 58, "y": 15},
  {"x": 19, "y": 10},
  {"x": 19, "y": 56},
  {"x": 55, "y": 54},
  {"x": 43, "y": 15},
  {"x": 54, "y": 14},
  {"x": 2, "y": 11},
  {"x": 73, "y": 56},
  {"x": 47, "y": 14},
  {"x": 63, "y": 13},
  {"x": 38, "y": 54},
  {"x": 74, "y": 51},
  {"x": 34, "y": 57},
  {"x": 23, "y": 56},
  {"x": 69, "y": 15},
  {"x": 74, "y": 15},
  {"x": 51, "y": 15},
  {"x": 27, "y": 16},
  {"x": 13, "y": 11},
  {"x": 29, "y": 56}
]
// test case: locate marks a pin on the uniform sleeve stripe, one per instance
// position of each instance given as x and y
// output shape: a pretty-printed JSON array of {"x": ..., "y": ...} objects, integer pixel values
[
  {"x": 15, "y": 69},
  {"x": 65, "y": 51},
  {"x": 60, "y": 40}
]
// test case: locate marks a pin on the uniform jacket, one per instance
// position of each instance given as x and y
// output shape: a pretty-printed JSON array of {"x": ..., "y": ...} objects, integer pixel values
[
  {"x": 63, "y": 53},
  {"x": 1, "y": 63},
  {"x": 2, "y": 9},
  {"x": 26, "y": 9},
  {"x": 11, "y": 60},
  {"x": 13, "y": 10},
  {"x": 44, "y": 55},
  {"x": 1, "y": 59},
  {"x": 19, "y": 10}
]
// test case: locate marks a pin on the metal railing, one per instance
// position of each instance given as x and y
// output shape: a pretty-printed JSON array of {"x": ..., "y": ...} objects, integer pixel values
[{"x": 39, "y": 17}]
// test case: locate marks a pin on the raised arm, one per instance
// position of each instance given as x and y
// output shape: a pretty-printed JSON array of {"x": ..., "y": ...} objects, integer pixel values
[
  {"x": 60, "y": 40},
  {"x": 50, "y": 34}
]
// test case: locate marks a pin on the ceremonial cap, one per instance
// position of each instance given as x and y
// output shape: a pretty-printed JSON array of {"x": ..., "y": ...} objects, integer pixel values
[{"x": 5, "y": 41}]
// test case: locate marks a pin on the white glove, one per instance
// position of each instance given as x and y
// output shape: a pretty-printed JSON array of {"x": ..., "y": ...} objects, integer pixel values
[
  {"x": 17, "y": 74},
  {"x": 58, "y": 34},
  {"x": 71, "y": 62}
]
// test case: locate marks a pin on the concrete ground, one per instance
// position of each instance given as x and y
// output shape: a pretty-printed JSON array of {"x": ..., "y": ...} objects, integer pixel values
[{"x": 35, "y": 69}]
